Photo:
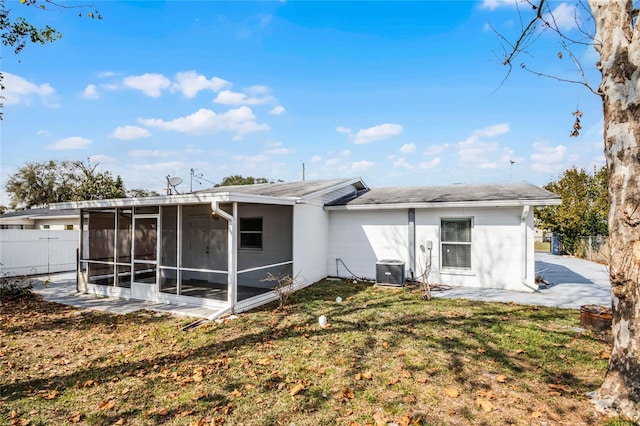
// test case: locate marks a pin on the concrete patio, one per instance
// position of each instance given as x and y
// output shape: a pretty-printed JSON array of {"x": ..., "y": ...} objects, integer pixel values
[{"x": 572, "y": 283}]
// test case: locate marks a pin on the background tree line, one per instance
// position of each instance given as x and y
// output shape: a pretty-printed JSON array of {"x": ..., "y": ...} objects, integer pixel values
[
  {"x": 584, "y": 210},
  {"x": 41, "y": 184}
]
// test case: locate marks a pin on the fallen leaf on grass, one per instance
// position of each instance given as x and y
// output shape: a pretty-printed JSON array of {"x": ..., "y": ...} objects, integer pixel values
[
  {"x": 120, "y": 422},
  {"x": 484, "y": 404},
  {"x": 52, "y": 394},
  {"x": 406, "y": 374},
  {"x": 236, "y": 393},
  {"x": 393, "y": 381},
  {"x": 75, "y": 417},
  {"x": 107, "y": 404},
  {"x": 367, "y": 375},
  {"x": 451, "y": 392},
  {"x": 385, "y": 345},
  {"x": 559, "y": 387},
  {"x": 519, "y": 351},
  {"x": 380, "y": 419},
  {"x": 345, "y": 395},
  {"x": 605, "y": 354},
  {"x": 501, "y": 378},
  {"x": 299, "y": 387},
  {"x": 481, "y": 350}
]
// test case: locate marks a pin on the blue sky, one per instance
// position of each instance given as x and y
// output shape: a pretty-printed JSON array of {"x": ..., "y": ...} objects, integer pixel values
[{"x": 399, "y": 93}]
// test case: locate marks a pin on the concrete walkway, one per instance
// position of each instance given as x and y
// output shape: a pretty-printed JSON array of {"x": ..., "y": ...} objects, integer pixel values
[
  {"x": 62, "y": 289},
  {"x": 572, "y": 283}
]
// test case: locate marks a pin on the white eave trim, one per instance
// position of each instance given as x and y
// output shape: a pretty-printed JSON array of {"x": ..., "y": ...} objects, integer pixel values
[
  {"x": 198, "y": 198},
  {"x": 320, "y": 193},
  {"x": 443, "y": 205}
]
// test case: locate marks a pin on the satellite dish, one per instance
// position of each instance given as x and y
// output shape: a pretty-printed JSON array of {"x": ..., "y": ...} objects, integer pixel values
[{"x": 174, "y": 181}]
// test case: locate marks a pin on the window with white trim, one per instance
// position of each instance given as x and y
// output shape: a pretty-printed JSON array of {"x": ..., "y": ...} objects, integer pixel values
[
  {"x": 455, "y": 243},
  {"x": 251, "y": 233}
]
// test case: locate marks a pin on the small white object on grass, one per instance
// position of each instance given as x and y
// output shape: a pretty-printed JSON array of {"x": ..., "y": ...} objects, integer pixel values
[
  {"x": 322, "y": 321},
  {"x": 338, "y": 299},
  {"x": 355, "y": 281}
]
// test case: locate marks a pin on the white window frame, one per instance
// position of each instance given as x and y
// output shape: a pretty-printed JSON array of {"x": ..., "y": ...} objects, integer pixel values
[{"x": 461, "y": 243}]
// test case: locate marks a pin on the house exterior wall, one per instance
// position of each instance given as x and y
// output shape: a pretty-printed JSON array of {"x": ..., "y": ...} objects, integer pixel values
[
  {"x": 57, "y": 224},
  {"x": 501, "y": 247},
  {"x": 310, "y": 243},
  {"x": 34, "y": 251},
  {"x": 358, "y": 239}
]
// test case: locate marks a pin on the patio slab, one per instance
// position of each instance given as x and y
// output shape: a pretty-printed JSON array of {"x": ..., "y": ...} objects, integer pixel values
[
  {"x": 62, "y": 289},
  {"x": 572, "y": 283}
]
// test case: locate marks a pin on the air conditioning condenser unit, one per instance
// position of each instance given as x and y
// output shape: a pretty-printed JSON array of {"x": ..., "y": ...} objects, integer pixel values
[{"x": 390, "y": 272}]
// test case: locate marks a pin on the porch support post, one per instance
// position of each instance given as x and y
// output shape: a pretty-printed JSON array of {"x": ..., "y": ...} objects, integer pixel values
[
  {"x": 526, "y": 279},
  {"x": 412, "y": 242},
  {"x": 232, "y": 244}
]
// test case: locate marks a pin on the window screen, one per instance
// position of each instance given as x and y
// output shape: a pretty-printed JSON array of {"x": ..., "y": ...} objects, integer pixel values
[
  {"x": 251, "y": 233},
  {"x": 455, "y": 240}
]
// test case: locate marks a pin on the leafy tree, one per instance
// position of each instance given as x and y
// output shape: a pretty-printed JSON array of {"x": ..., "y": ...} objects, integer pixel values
[
  {"x": 615, "y": 35},
  {"x": 40, "y": 184},
  {"x": 239, "y": 180},
  {"x": 139, "y": 193},
  {"x": 584, "y": 209}
]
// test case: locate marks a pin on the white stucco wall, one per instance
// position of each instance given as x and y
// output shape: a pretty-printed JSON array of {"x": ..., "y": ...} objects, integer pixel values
[
  {"x": 360, "y": 239},
  {"x": 499, "y": 241},
  {"x": 310, "y": 242}
]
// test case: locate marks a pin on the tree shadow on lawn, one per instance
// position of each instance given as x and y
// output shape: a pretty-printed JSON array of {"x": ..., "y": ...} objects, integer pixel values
[{"x": 439, "y": 327}]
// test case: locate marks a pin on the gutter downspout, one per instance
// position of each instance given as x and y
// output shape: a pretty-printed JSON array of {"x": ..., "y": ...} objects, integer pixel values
[
  {"x": 525, "y": 249},
  {"x": 412, "y": 242},
  {"x": 232, "y": 274}
]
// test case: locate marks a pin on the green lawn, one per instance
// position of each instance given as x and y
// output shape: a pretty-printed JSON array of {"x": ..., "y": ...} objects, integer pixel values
[
  {"x": 385, "y": 356},
  {"x": 542, "y": 246}
]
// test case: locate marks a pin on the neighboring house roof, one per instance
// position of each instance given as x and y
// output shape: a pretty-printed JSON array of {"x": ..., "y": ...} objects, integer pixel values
[
  {"x": 505, "y": 194},
  {"x": 39, "y": 213}
]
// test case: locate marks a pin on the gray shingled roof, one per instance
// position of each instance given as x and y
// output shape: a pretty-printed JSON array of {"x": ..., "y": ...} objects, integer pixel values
[
  {"x": 281, "y": 189},
  {"x": 449, "y": 194},
  {"x": 41, "y": 212}
]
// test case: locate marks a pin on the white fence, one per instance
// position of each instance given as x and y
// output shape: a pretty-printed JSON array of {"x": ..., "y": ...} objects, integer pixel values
[{"x": 35, "y": 251}]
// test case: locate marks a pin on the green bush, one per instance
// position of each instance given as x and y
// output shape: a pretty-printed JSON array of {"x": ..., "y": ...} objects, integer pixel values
[{"x": 15, "y": 288}]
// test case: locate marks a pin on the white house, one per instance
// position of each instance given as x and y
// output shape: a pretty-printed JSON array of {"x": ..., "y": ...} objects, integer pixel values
[
  {"x": 41, "y": 218},
  {"x": 214, "y": 248}
]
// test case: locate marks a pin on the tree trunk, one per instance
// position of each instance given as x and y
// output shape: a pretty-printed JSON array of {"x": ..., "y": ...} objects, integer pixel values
[{"x": 617, "y": 41}]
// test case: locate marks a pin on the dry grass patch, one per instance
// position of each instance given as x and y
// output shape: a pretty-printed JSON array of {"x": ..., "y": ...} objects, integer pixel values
[{"x": 385, "y": 356}]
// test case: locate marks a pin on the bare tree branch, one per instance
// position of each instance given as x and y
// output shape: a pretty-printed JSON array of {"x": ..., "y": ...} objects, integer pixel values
[
  {"x": 525, "y": 34},
  {"x": 564, "y": 80}
]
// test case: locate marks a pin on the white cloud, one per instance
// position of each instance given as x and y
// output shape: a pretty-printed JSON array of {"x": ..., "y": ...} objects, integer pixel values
[
  {"x": 169, "y": 166},
  {"x": 18, "y": 90},
  {"x": 492, "y": 131},
  {"x": 345, "y": 153},
  {"x": 90, "y": 92},
  {"x": 378, "y": 132},
  {"x": 147, "y": 153},
  {"x": 430, "y": 164},
  {"x": 401, "y": 162},
  {"x": 73, "y": 142},
  {"x": 494, "y": 4},
  {"x": 408, "y": 148},
  {"x": 227, "y": 97},
  {"x": 252, "y": 159},
  {"x": 43, "y": 133},
  {"x": 240, "y": 121},
  {"x": 101, "y": 159},
  {"x": 341, "y": 129},
  {"x": 280, "y": 151},
  {"x": 277, "y": 110},
  {"x": 565, "y": 17},
  {"x": 105, "y": 74},
  {"x": 257, "y": 90},
  {"x": 150, "y": 84},
  {"x": 315, "y": 159},
  {"x": 361, "y": 166},
  {"x": 548, "y": 159},
  {"x": 436, "y": 149},
  {"x": 476, "y": 151},
  {"x": 127, "y": 133},
  {"x": 190, "y": 83}
]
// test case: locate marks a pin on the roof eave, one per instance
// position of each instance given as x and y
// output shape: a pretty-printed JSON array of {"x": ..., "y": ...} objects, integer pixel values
[
  {"x": 452, "y": 204},
  {"x": 198, "y": 198}
]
